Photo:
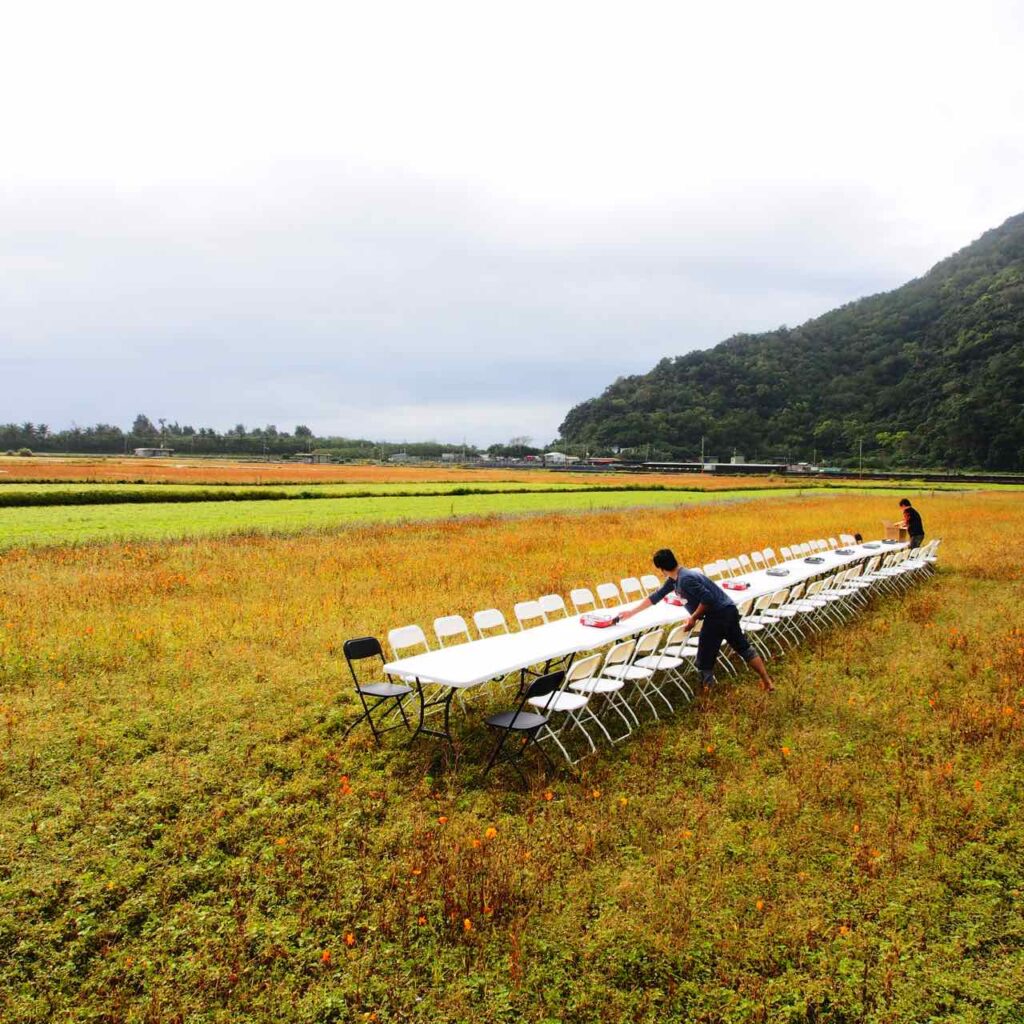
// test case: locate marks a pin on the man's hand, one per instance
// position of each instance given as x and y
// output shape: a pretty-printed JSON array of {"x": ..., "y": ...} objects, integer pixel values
[{"x": 690, "y": 623}]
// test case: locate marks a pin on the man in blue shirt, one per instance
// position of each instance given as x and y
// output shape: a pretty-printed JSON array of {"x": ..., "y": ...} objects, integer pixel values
[{"x": 705, "y": 600}]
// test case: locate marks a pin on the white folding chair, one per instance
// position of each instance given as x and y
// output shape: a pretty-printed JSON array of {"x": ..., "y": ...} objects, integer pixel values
[
  {"x": 573, "y": 702},
  {"x": 583, "y": 600},
  {"x": 632, "y": 589},
  {"x": 650, "y": 583},
  {"x": 529, "y": 614},
  {"x": 745, "y": 564},
  {"x": 451, "y": 628},
  {"x": 608, "y": 594},
  {"x": 407, "y": 641},
  {"x": 758, "y": 559},
  {"x": 553, "y": 606},
  {"x": 770, "y": 557},
  {"x": 489, "y": 619},
  {"x": 786, "y": 553},
  {"x": 610, "y": 688}
]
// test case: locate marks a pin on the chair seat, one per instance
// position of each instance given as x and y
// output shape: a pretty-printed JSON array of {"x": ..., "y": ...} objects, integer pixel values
[
  {"x": 384, "y": 689},
  {"x": 750, "y": 626},
  {"x": 627, "y": 672},
  {"x": 598, "y": 685},
  {"x": 559, "y": 702},
  {"x": 682, "y": 651},
  {"x": 522, "y": 720},
  {"x": 659, "y": 662}
]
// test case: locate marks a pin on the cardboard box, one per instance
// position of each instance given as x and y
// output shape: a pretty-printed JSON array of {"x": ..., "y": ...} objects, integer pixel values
[{"x": 895, "y": 531}]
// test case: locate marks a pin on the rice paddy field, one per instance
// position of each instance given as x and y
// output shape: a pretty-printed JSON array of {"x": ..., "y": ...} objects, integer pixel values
[{"x": 186, "y": 834}]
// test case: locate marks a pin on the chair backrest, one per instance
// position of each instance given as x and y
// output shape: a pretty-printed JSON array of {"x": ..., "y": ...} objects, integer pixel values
[
  {"x": 489, "y": 618},
  {"x": 583, "y": 599},
  {"x": 648, "y": 643},
  {"x": 553, "y": 606},
  {"x": 360, "y": 649},
  {"x": 735, "y": 569},
  {"x": 744, "y": 607},
  {"x": 832, "y": 542},
  {"x": 822, "y": 544},
  {"x": 608, "y": 594},
  {"x": 529, "y": 612},
  {"x": 847, "y": 538},
  {"x": 758, "y": 559},
  {"x": 745, "y": 563},
  {"x": 796, "y": 593},
  {"x": 786, "y": 553},
  {"x": 546, "y": 686},
  {"x": 632, "y": 589},
  {"x": 585, "y": 668},
  {"x": 451, "y": 627},
  {"x": 404, "y": 638},
  {"x": 677, "y": 636},
  {"x": 620, "y": 653},
  {"x": 779, "y": 598},
  {"x": 711, "y": 570},
  {"x": 651, "y": 582},
  {"x": 769, "y": 556},
  {"x": 763, "y": 602}
]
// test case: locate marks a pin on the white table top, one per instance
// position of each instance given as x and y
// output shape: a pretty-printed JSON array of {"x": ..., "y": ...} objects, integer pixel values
[{"x": 467, "y": 665}]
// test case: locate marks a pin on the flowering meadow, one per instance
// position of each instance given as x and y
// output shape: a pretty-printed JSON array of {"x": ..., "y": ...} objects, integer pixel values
[
  {"x": 186, "y": 834},
  {"x": 230, "y": 471}
]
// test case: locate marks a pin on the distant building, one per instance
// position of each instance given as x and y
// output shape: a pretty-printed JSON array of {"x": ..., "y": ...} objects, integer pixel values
[
  {"x": 559, "y": 459},
  {"x": 315, "y": 458},
  {"x": 154, "y": 453}
]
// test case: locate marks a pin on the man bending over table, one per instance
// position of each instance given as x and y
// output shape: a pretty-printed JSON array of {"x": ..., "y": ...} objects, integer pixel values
[{"x": 705, "y": 600}]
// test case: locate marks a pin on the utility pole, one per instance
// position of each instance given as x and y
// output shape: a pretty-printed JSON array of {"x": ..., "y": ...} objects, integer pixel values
[
  {"x": 702, "y": 449},
  {"x": 862, "y": 456}
]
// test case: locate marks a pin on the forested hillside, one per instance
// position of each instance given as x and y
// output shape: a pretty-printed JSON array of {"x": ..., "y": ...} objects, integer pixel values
[{"x": 931, "y": 374}]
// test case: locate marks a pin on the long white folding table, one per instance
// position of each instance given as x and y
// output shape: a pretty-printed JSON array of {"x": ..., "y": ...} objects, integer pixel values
[{"x": 465, "y": 666}]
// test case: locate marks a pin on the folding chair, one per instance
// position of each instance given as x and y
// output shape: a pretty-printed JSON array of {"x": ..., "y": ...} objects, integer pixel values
[
  {"x": 786, "y": 554},
  {"x": 650, "y": 583},
  {"x": 553, "y": 606},
  {"x": 583, "y": 600},
  {"x": 451, "y": 627},
  {"x": 488, "y": 619},
  {"x": 770, "y": 558},
  {"x": 676, "y": 656},
  {"x": 364, "y": 649},
  {"x": 529, "y": 614},
  {"x": 572, "y": 704},
  {"x": 610, "y": 689},
  {"x": 631, "y": 671},
  {"x": 608, "y": 592},
  {"x": 632, "y": 589},
  {"x": 523, "y": 724},
  {"x": 758, "y": 559}
]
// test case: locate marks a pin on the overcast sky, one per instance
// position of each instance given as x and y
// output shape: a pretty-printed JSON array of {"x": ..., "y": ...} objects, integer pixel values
[{"x": 445, "y": 220}]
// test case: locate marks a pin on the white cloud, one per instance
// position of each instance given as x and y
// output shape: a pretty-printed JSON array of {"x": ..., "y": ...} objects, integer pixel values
[{"x": 444, "y": 200}]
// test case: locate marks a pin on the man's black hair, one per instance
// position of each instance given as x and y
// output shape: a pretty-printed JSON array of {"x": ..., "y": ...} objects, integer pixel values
[
  {"x": 665, "y": 560},
  {"x": 904, "y": 502}
]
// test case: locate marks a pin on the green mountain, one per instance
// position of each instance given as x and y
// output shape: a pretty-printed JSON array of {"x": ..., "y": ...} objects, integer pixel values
[{"x": 931, "y": 374}]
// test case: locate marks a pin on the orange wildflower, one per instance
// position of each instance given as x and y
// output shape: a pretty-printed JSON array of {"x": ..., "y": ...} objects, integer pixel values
[
  {"x": 443, "y": 820},
  {"x": 490, "y": 833},
  {"x": 467, "y": 925},
  {"x": 549, "y": 795},
  {"x": 785, "y": 751},
  {"x": 325, "y": 956},
  {"x": 350, "y": 939},
  {"x": 759, "y": 904}
]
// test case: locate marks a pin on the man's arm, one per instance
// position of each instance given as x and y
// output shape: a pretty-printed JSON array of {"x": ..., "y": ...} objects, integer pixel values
[
  {"x": 663, "y": 591},
  {"x": 699, "y": 613}
]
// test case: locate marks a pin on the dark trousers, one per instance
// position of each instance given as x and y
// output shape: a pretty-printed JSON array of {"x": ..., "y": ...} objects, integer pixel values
[
  {"x": 916, "y": 540},
  {"x": 719, "y": 626}
]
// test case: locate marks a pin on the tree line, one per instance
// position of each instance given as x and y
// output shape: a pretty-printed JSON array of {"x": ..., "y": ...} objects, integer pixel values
[{"x": 928, "y": 375}]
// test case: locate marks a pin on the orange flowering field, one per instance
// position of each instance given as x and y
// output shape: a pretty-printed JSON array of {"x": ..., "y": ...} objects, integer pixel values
[
  {"x": 186, "y": 835},
  {"x": 226, "y": 471}
]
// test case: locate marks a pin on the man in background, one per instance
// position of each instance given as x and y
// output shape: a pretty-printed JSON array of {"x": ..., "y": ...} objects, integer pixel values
[{"x": 912, "y": 523}]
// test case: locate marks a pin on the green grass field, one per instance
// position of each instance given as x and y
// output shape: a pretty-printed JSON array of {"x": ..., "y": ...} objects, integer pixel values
[
  {"x": 187, "y": 836},
  {"x": 90, "y": 523}
]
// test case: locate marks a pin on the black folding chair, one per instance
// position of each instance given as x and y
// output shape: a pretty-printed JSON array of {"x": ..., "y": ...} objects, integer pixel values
[
  {"x": 367, "y": 648},
  {"x": 524, "y": 725}
]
